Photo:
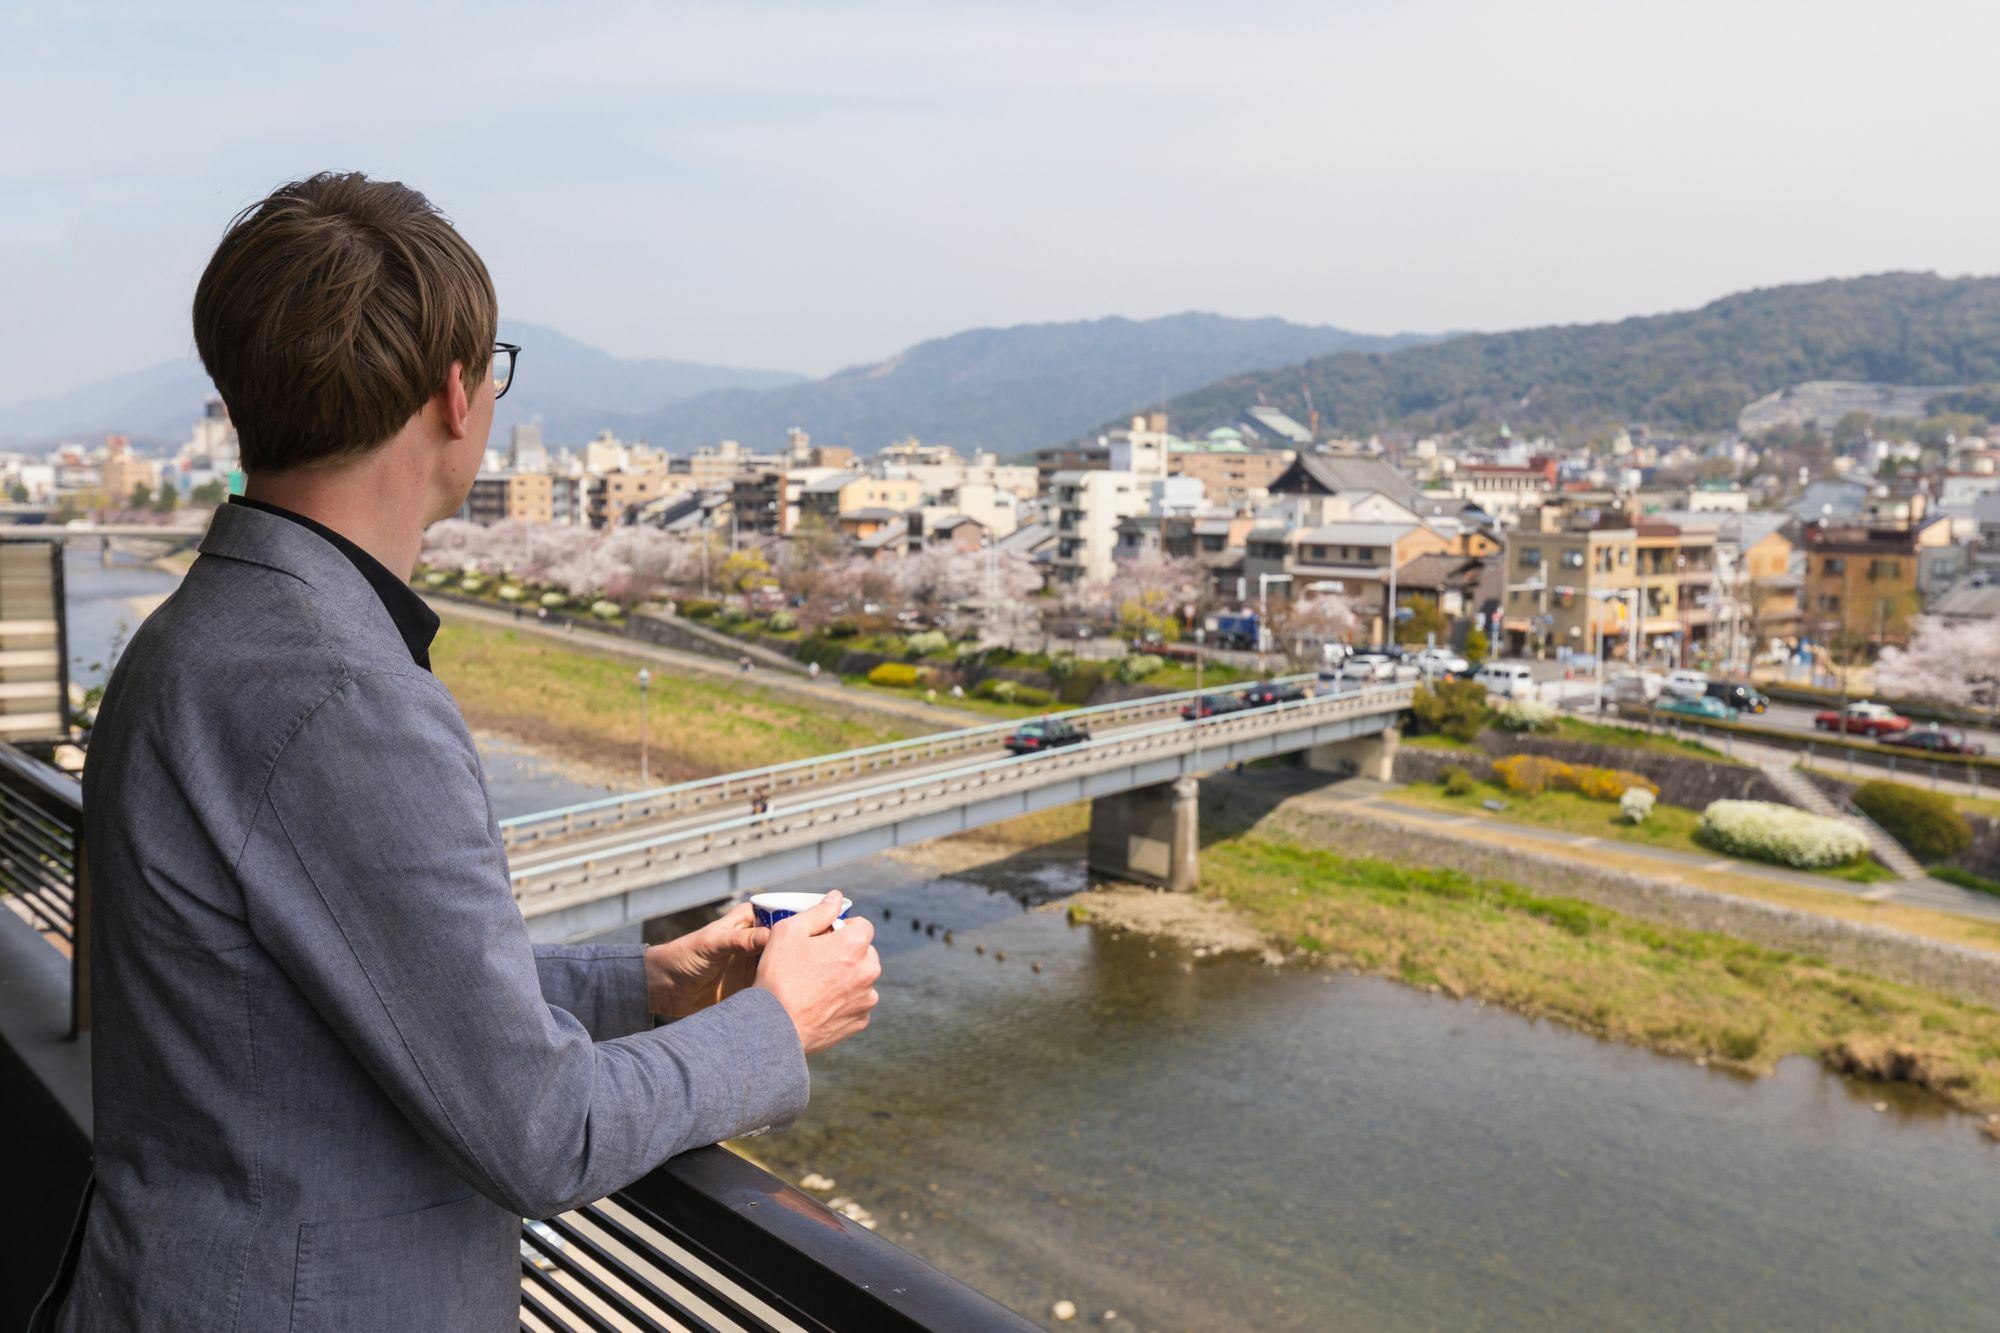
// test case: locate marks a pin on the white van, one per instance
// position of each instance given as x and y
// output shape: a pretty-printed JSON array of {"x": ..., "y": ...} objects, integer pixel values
[
  {"x": 1635, "y": 687},
  {"x": 1507, "y": 680}
]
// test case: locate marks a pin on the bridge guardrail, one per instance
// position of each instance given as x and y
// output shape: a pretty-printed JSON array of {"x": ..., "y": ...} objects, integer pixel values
[
  {"x": 680, "y": 798},
  {"x": 544, "y": 886}
]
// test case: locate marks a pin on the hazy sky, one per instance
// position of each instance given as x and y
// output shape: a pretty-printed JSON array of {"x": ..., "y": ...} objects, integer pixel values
[{"x": 809, "y": 186}]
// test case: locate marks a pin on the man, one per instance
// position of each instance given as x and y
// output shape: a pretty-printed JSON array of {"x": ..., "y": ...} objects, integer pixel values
[{"x": 330, "y": 1073}]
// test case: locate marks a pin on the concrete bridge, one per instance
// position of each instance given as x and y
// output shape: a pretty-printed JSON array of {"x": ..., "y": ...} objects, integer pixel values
[{"x": 584, "y": 869}]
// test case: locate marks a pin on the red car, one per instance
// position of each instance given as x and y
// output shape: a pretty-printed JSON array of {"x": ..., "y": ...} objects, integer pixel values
[
  {"x": 1863, "y": 719},
  {"x": 1936, "y": 740}
]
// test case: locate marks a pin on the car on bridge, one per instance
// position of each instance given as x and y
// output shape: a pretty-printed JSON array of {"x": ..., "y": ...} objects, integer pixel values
[
  {"x": 1442, "y": 662},
  {"x": 1706, "y": 707},
  {"x": 1864, "y": 719},
  {"x": 1934, "y": 739},
  {"x": 1045, "y": 733},
  {"x": 1212, "y": 705},
  {"x": 1272, "y": 692}
]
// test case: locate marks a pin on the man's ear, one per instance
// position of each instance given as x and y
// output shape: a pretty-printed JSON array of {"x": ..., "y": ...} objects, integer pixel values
[{"x": 455, "y": 402}]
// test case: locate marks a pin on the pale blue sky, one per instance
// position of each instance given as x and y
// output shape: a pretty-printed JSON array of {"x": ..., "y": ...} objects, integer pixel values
[{"x": 809, "y": 186}]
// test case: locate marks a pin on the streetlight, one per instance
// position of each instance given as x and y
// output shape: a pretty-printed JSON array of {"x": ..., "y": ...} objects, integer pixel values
[{"x": 645, "y": 680}]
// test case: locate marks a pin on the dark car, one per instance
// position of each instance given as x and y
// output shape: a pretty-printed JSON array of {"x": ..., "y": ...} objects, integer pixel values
[
  {"x": 1741, "y": 697},
  {"x": 1212, "y": 705},
  {"x": 1271, "y": 692},
  {"x": 1935, "y": 740},
  {"x": 1045, "y": 733}
]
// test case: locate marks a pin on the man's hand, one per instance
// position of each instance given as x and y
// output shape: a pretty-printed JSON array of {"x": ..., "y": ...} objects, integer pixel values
[
  {"x": 705, "y": 966},
  {"x": 824, "y": 977}
]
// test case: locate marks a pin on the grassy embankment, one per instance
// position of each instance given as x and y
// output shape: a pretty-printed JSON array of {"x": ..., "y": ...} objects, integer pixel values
[
  {"x": 584, "y": 707},
  {"x": 1680, "y": 991},
  {"x": 1597, "y": 733},
  {"x": 1668, "y": 826}
]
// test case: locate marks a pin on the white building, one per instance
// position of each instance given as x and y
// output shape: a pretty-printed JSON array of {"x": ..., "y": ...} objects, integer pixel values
[{"x": 1088, "y": 506}]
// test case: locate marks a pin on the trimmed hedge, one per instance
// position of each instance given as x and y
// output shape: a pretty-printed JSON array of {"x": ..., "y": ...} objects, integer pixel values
[
  {"x": 1925, "y": 822},
  {"x": 699, "y": 608},
  {"x": 1781, "y": 835}
]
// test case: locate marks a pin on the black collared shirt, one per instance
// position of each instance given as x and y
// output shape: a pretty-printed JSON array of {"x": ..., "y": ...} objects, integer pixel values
[{"x": 415, "y": 621}]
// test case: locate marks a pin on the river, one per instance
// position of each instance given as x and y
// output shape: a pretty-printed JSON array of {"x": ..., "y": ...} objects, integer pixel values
[{"x": 1210, "y": 1143}]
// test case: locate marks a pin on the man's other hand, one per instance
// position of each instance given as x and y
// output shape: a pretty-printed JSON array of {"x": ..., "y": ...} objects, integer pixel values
[
  {"x": 705, "y": 966},
  {"x": 824, "y": 977}
]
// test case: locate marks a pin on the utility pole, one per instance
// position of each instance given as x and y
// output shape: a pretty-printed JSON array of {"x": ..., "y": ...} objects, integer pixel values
[{"x": 645, "y": 680}]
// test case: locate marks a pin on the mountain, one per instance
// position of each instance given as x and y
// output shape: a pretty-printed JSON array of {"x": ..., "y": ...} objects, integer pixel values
[
  {"x": 1691, "y": 370},
  {"x": 1008, "y": 390},
  {"x": 576, "y": 390}
]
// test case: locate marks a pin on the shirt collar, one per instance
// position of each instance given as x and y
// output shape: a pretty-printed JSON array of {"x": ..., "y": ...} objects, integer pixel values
[{"x": 414, "y": 619}]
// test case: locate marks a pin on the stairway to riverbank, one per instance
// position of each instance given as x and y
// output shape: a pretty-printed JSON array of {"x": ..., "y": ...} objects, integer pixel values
[{"x": 1803, "y": 792}]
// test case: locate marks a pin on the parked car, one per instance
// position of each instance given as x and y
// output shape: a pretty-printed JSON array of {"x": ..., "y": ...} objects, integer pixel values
[
  {"x": 1045, "y": 733},
  {"x": 1935, "y": 740},
  {"x": 1369, "y": 665},
  {"x": 1706, "y": 707},
  {"x": 1686, "y": 684},
  {"x": 1635, "y": 687},
  {"x": 1507, "y": 680},
  {"x": 1212, "y": 705},
  {"x": 1272, "y": 692},
  {"x": 1441, "y": 662},
  {"x": 1743, "y": 698},
  {"x": 1865, "y": 719}
]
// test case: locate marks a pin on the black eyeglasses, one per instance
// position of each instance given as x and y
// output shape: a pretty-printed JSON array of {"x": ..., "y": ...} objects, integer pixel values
[{"x": 503, "y": 367}]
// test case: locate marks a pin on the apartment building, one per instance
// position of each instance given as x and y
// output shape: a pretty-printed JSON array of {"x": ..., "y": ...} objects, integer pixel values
[
  {"x": 511, "y": 497},
  {"x": 1866, "y": 582},
  {"x": 1358, "y": 561},
  {"x": 613, "y": 498},
  {"x": 1088, "y": 506},
  {"x": 1505, "y": 489},
  {"x": 1579, "y": 578}
]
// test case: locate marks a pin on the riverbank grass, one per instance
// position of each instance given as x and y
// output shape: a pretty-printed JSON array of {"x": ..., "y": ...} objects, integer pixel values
[
  {"x": 1667, "y": 826},
  {"x": 1680, "y": 991},
  {"x": 584, "y": 706}
]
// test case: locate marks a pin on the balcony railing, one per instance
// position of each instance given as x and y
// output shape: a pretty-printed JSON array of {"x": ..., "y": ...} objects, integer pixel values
[{"x": 705, "y": 1241}]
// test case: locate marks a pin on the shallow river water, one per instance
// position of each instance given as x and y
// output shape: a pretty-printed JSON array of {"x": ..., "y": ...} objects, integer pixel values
[{"x": 1215, "y": 1144}]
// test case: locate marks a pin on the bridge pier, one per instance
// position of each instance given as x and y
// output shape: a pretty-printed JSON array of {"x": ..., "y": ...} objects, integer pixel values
[
  {"x": 1151, "y": 834},
  {"x": 1364, "y": 756}
]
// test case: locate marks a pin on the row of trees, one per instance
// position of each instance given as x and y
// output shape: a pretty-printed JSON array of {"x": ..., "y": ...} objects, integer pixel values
[{"x": 637, "y": 564}]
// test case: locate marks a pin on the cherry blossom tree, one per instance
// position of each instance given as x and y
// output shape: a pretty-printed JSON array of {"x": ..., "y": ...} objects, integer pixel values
[
  {"x": 1299, "y": 627},
  {"x": 1954, "y": 662}
]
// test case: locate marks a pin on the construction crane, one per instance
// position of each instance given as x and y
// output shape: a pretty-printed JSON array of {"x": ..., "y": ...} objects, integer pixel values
[{"x": 1311, "y": 412}]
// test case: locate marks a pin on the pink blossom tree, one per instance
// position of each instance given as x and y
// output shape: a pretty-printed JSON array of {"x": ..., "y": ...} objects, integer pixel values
[{"x": 1952, "y": 662}]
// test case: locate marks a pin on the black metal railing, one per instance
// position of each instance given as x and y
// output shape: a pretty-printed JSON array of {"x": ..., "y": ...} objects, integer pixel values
[{"x": 707, "y": 1241}]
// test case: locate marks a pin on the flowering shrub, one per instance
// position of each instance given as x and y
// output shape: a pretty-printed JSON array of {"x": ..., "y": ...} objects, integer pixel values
[
  {"x": 1635, "y": 805},
  {"x": 552, "y": 600},
  {"x": 437, "y": 578},
  {"x": 1609, "y": 784},
  {"x": 1527, "y": 774},
  {"x": 471, "y": 583},
  {"x": 782, "y": 622},
  {"x": 900, "y": 674},
  {"x": 1780, "y": 834},
  {"x": 1135, "y": 667},
  {"x": 1533, "y": 774},
  {"x": 605, "y": 610},
  {"x": 926, "y": 642},
  {"x": 510, "y": 593},
  {"x": 1525, "y": 715}
]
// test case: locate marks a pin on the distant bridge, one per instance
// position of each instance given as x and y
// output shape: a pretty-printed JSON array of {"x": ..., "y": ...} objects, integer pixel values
[{"x": 584, "y": 869}]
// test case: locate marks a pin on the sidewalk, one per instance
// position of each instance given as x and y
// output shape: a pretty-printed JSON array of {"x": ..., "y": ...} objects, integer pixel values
[
  {"x": 1359, "y": 793},
  {"x": 934, "y": 717}
]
